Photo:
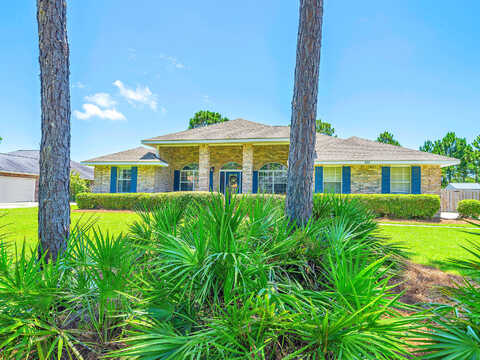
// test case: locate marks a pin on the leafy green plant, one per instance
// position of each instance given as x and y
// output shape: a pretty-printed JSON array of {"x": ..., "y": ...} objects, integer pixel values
[
  {"x": 77, "y": 185},
  {"x": 469, "y": 208},
  {"x": 455, "y": 329}
]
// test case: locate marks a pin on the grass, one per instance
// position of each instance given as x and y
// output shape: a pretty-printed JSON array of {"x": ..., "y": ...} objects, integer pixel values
[
  {"x": 433, "y": 246},
  {"x": 22, "y": 223},
  {"x": 428, "y": 245}
]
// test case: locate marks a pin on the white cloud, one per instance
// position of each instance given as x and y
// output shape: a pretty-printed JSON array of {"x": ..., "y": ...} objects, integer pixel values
[
  {"x": 173, "y": 60},
  {"x": 79, "y": 85},
  {"x": 142, "y": 95},
  {"x": 91, "y": 110},
  {"x": 101, "y": 99}
]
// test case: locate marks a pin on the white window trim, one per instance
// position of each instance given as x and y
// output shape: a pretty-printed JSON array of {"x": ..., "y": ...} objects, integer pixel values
[
  {"x": 195, "y": 184},
  {"x": 341, "y": 177},
  {"x": 119, "y": 171},
  {"x": 270, "y": 172},
  {"x": 391, "y": 179}
]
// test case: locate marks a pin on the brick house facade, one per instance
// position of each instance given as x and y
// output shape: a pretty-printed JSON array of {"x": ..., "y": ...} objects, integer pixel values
[{"x": 255, "y": 157}]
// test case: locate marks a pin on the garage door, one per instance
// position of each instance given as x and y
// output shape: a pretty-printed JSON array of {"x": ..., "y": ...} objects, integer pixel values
[{"x": 14, "y": 189}]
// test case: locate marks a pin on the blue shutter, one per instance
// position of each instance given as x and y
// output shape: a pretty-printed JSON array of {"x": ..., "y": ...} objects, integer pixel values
[
  {"x": 210, "y": 186},
  {"x": 346, "y": 180},
  {"x": 222, "y": 182},
  {"x": 133, "y": 181},
  {"x": 416, "y": 180},
  {"x": 113, "y": 179},
  {"x": 385, "y": 179},
  {"x": 176, "y": 180},
  {"x": 255, "y": 182},
  {"x": 318, "y": 179}
]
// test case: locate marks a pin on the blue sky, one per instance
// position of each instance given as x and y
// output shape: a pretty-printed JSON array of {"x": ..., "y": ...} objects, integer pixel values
[{"x": 411, "y": 67}]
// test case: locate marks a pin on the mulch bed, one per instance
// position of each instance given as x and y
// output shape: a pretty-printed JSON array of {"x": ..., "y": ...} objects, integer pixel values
[{"x": 422, "y": 284}]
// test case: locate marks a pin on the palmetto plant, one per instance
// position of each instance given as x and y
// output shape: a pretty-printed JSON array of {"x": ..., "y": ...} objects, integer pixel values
[
  {"x": 231, "y": 279},
  {"x": 239, "y": 282},
  {"x": 455, "y": 330}
]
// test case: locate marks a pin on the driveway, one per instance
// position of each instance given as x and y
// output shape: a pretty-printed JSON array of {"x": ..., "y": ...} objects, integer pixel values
[
  {"x": 16, "y": 205},
  {"x": 25, "y": 204}
]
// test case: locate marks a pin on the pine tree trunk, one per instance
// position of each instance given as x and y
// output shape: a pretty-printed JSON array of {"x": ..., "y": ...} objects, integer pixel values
[
  {"x": 299, "y": 201},
  {"x": 54, "y": 182}
]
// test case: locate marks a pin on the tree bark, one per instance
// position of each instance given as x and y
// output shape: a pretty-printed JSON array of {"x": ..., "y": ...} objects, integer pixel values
[
  {"x": 54, "y": 181},
  {"x": 299, "y": 200}
]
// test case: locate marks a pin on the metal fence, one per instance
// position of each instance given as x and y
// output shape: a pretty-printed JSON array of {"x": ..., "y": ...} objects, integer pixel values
[{"x": 450, "y": 198}]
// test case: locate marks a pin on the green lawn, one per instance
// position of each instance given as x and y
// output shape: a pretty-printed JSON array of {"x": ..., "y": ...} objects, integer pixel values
[
  {"x": 428, "y": 245},
  {"x": 433, "y": 245},
  {"x": 21, "y": 224}
]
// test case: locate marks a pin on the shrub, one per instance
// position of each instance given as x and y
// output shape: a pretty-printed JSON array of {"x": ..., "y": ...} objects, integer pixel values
[
  {"x": 469, "y": 208},
  {"x": 132, "y": 201},
  {"x": 217, "y": 279},
  {"x": 398, "y": 206},
  {"x": 77, "y": 185},
  {"x": 392, "y": 205}
]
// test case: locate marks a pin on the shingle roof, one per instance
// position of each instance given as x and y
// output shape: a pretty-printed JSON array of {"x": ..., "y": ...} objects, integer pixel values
[
  {"x": 26, "y": 162},
  {"x": 238, "y": 129},
  {"x": 463, "y": 186},
  {"x": 329, "y": 149},
  {"x": 139, "y": 155}
]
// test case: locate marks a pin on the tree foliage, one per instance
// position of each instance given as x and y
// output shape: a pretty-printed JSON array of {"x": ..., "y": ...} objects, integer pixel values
[
  {"x": 77, "y": 185},
  {"x": 387, "y": 138},
  {"x": 204, "y": 118},
  {"x": 325, "y": 128},
  {"x": 453, "y": 146}
]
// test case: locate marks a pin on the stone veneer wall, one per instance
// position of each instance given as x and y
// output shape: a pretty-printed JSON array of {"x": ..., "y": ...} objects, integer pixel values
[
  {"x": 431, "y": 179},
  {"x": 264, "y": 154},
  {"x": 101, "y": 179},
  {"x": 365, "y": 179}
]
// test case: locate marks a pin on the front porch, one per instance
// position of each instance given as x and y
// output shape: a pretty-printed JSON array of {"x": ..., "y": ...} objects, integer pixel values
[{"x": 240, "y": 168}]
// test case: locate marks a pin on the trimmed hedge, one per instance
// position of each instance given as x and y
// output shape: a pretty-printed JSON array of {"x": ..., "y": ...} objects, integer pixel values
[
  {"x": 398, "y": 205},
  {"x": 390, "y": 205},
  {"x": 129, "y": 201},
  {"x": 469, "y": 208}
]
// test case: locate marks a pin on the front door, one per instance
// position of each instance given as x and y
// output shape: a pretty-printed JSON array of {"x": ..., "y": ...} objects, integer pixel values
[{"x": 231, "y": 182}]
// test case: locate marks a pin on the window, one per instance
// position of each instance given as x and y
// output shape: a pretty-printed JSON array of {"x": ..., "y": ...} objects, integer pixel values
[
  {"x": 124, "y": 179},
  {"x": 189, "y": 178},
  {"x": 272, "y": 179},
  {"x": 400, "y": 180},
  {"x": 332, "y": 180}
]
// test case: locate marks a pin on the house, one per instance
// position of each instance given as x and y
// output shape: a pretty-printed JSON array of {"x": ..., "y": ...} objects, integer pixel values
[
  {"x": 250, "y": 157},
  {"x": 19, "y": 171},
  {"x": 462, "y": 186}
]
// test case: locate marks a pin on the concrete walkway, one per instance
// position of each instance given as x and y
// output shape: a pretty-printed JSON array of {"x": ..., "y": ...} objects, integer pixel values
[
  {"x": 449, "y": 215},
  {"x": 25, "y": 204},
  {"x": 432, "y": 226},
  {"x": 18, "y": 205}
]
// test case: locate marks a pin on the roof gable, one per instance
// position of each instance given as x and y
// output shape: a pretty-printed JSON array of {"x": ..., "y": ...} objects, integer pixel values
[
  {"x": 139, "y": 155},
  {"x": 238, "y": 129}
]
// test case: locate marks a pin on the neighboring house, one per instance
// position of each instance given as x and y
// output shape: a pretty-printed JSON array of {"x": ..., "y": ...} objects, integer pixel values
[
  {"x": 249, "y": 157},
  {"x": 19, "y": 171},
  {"x": 462, "y": 186}
]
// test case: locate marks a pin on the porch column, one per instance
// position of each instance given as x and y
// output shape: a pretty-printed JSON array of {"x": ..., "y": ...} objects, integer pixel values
[
  {"x": 203, "y": 167},
  {"x": 247, "y": 167}
]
